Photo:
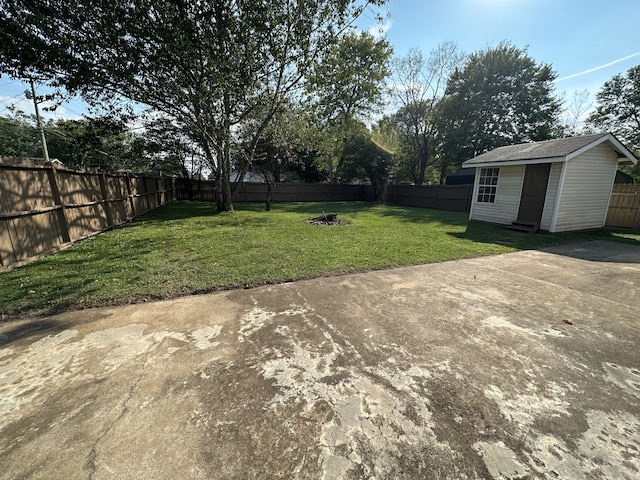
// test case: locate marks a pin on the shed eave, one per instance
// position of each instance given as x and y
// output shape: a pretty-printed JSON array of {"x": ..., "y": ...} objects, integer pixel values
[
  {"x": 624, "y": 154},
  {"x": 506, "y": 163}
]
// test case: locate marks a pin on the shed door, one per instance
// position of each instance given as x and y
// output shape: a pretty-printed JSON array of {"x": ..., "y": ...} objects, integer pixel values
[{"x": 534, "y": 189}]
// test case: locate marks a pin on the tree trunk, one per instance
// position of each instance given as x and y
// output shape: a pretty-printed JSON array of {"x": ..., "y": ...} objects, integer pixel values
[
  {"x": 382, "y": 195},
  {"x": 443, "y": 174},
  {"x": 224, "y": 200},
  {"x": 423, "y": 156},
  {"x": 269, "y": 194},
  {"x": 224, "y": 195}
]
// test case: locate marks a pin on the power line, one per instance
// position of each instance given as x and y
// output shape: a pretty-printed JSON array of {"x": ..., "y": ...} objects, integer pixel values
[{"x": 7, "y": 83}]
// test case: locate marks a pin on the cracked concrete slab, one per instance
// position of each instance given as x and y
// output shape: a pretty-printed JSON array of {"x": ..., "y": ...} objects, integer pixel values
[{"x": 460, "y": 370}]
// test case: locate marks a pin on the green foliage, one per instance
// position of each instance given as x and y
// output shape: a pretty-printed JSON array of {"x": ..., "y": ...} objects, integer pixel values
[
  {"x": 344, "y": 87},
  {"x": 18, "y": 135},
  {"x": 165, "y": 149},
  {"x": 368, "y": 159},
  {"x": 618, "y": 107},
  {"x": 90, "y": 142},
  {"x": 349, "y": 80},
  {"x": 288, "y": 147},
  {"x": 618, "y": 111},
  {"x": 207, "y": 66},
  {"x": 500, "y": 97}
]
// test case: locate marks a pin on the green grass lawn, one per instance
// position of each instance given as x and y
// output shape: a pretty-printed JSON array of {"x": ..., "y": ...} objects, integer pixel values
[{"x": 186, "y": 248}]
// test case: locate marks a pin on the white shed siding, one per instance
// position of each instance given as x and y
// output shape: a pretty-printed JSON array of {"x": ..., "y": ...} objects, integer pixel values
[
  {"x": 584, "y": 198},
  {"x": 550, "y": 197},
  {"x": 505, "y": 209}
]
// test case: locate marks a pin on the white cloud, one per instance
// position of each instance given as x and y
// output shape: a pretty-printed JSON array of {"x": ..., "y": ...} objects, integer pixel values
[
  {"x": 24, "y": 104},
  {"x": 380, "y": 29},
  {"x": 19, "y": 102}
]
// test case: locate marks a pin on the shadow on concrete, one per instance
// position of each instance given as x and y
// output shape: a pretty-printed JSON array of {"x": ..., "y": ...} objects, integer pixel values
[
  {"x": 599, "y": 251},
  {"x": 606, "y": 245},
  {"x": 29, "y": 329}
]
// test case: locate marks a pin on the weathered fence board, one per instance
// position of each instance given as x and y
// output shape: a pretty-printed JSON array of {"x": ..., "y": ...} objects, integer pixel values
[
  {"x": 624, "y": 207},
  {"x": 44, "y": 208}
]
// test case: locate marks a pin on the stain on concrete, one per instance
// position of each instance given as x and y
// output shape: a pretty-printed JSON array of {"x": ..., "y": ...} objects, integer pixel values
[
  {"x": 419, "y": 372},
  {"x": 626, "y": 378},
  {"x": 501, "y": 462},
  {"x": 203, "y": 336}
]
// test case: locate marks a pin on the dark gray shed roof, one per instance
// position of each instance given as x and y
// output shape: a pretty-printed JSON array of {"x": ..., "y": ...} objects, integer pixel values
[{"x": 558, "y": 149}]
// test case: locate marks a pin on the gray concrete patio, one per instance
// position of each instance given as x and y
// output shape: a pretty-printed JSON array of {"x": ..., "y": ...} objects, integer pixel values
[{"x": 464, "y": 369}]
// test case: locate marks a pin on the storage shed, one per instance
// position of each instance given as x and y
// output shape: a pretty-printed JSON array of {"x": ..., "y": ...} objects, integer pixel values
[{"x": 557, "y": 185}]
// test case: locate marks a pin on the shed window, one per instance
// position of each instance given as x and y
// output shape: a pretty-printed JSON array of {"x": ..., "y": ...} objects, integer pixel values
[{"x": 488, "y": 184}]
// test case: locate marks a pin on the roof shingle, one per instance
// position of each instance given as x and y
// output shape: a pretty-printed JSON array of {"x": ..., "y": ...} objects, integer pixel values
[{"x": 560, "y": 147}]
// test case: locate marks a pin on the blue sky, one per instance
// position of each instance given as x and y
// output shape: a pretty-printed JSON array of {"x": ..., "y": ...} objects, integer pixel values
[{"x": 585, "y": 41}]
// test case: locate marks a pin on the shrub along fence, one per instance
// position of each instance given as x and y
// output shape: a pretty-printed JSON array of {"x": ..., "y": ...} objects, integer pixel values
[
  {"x": 442, "y": 197},
  {"x": 44, "y": 207}
]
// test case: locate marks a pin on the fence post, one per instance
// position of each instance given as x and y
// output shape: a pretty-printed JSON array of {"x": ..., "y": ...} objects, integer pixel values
[
  {"x": 156, "y": 180},
  {"x": 132, "y": 201},
  {"x": 147, "y": 196},
  {"x": 106, "y": 204},
  {"x": 57, "y": 199}
]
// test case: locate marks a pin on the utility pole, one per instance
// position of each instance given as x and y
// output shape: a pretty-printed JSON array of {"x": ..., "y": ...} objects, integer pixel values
[{"x": 45, "y": 151}]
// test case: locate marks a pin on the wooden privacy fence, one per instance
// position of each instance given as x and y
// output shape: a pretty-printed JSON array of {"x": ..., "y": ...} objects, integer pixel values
[
  {"x": 624, "y": 207},
  {"x": 442, "y": 197},
  {"x": 44, "y": 207}
]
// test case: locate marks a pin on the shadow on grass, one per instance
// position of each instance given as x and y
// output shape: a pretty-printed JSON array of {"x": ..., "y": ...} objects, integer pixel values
[
  {"x": 44, "y": 296},
  {"x": 197, "y": 212},
  {"x": 313, "y": 208},
  {"x": 424, "y": 215},
  {"x": 402, "y": 213},
  {"x": 497, "y": 235},
  {"x": 181, "y": 211},
  {"x": 192, "y": 210}
]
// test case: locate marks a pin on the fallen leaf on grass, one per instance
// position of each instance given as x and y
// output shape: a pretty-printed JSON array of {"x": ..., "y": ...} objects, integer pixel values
[{"x": 566, "y": 320}]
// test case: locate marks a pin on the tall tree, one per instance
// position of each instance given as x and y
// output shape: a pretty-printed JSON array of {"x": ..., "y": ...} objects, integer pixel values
[
  {"x": 166, "y": 150},
  {"x": 18, "y": 135},
  {"x": 618, "y": 107},
  {"x": 618, "y": 111},
  {"x": 345, "y": 86},
  {"x": 574, "y": 114},
  {"x": 368, "y": 158},
  {"x": 500, "y": 96},
  {"x": 276, "y": 147},
  {"x": 207, "y": 65},
  {"x": 101, "y": 142},
  {"x": 86, "y": 142},
  {"x": 418, "y": 86}
]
